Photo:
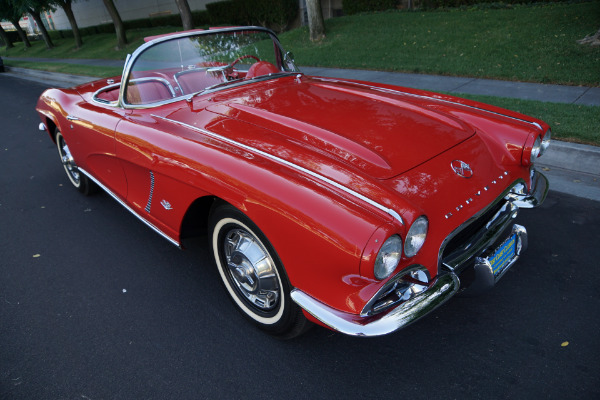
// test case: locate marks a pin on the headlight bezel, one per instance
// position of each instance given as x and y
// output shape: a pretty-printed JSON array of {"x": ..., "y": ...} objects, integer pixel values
[
  {"x": 388, "y": 257},
  {"x": 535, "y": 147},
  {"x": 419, "y": 227},
  {"x": 546, "y": 139}
]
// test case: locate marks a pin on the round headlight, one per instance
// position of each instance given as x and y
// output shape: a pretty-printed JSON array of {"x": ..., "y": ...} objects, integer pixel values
[
  {"x": 416, "y": 236},
  {"x": 388, "y": 257},
  {"x": 546, "y": 141},
  {"x": 535, "y": 150}
]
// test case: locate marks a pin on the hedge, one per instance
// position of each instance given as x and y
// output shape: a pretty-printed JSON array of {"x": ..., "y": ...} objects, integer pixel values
[
  {"x": 275, "y": 14},
  {"x": 358, "y": 6}
]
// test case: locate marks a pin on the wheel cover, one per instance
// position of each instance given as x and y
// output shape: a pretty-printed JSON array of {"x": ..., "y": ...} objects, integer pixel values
[
  {"x": 251, "y": 269},
  {"x": 68, "y": 162}
]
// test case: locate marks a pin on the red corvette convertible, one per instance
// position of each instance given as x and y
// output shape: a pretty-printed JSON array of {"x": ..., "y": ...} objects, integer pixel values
[{"x": 358, "y": 206}]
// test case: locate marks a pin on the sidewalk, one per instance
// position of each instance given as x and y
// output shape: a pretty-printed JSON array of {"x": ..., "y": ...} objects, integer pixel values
[
  {"x": 583, "y": 95},
  {"x": 571, "y": 168}
]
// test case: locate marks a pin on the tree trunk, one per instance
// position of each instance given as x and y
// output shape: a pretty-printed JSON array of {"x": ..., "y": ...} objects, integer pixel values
[
  {"x": 66, "y": 6},
  {"x": 186, "y": 14},
  {"x": 21, "y": 32},
  {"x": 315, "y": 20},
  {"x": 38, "y": 20},
  {"x": 592, "y": 40},
  {"x": 119, "y": 27},
  {"x": 9, "y": 44}
]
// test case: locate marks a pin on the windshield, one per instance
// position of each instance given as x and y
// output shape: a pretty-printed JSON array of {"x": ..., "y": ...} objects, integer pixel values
[{"x": 187, "y": 65}]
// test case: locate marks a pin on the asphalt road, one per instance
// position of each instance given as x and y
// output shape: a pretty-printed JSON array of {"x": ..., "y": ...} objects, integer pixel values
[{"x": 94, "y": 305}]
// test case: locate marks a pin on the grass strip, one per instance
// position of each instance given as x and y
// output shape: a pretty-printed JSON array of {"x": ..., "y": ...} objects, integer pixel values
[
  {"x": 65, "y": 68},
  {"x": 569, "y": 122}
]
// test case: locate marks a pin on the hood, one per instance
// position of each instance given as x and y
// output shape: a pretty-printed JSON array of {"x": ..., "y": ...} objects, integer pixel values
[{"x": 381, "y": 134}]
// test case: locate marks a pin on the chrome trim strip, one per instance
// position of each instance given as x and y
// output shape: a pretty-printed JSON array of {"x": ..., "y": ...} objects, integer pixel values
[
  {"x": 131, "y": 210},
  {"x": 114, "y": 85},
  {"x": 104, "y": 89},
  {"x": 385, "y": 90},
  {"x": 441, "y": 290},
  {"x": 320, "y": 177}
]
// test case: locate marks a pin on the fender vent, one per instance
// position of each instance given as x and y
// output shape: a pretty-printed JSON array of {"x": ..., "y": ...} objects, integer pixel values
[{"x": 149, "y": 204}]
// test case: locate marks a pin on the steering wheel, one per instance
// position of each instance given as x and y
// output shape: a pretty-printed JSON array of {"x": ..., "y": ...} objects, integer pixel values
[
  {"x": 240, "y": 58},
  {"x": 225, "y": 68}
]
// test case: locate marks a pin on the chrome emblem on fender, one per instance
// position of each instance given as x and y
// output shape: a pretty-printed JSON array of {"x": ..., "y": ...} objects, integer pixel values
[
  {"x": 166, "y": 205},
  {"x": 461, "y": 168}
]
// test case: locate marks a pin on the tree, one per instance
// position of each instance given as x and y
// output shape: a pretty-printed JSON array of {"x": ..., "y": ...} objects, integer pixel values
[
  {"x": 66, "y": 6},
  {"x": 315, "y": 20},
  {"x": 186, "y": 14},
  {"x": 6, "y": 39},
  {"x": 9, "y": 12},
  {"x": 119, "y": 27},
  {"x": 35, "y": 9}
]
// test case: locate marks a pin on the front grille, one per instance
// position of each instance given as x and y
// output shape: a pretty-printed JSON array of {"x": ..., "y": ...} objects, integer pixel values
[
  {"x": 474, "y": 238},
  {"x": 458, "y": 242}
]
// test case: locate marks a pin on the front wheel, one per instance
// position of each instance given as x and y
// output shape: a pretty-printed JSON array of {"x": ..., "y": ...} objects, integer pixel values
[
  {"x": 253, "y": 274},
  {"x": 79, "y": 180}
]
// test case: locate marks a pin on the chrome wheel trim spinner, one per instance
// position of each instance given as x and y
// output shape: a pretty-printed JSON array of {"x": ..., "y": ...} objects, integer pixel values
[{"x": 251, "y": 269}]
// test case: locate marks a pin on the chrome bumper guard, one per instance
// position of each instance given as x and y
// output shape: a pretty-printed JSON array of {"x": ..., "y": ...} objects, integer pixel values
[{"x": 441, "y": 290}]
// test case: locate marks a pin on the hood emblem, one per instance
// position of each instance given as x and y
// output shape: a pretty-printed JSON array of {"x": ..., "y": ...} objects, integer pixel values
[{"x": 461, "y": 168}]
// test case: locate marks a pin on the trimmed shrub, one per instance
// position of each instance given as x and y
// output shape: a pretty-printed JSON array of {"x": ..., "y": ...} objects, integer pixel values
[
  {"x": 274, "y": 14},
  {"x": 358, "y": 6}
]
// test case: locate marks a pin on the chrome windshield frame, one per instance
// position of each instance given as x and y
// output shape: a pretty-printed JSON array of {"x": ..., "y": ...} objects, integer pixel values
[{"x": 131, "y": 59}]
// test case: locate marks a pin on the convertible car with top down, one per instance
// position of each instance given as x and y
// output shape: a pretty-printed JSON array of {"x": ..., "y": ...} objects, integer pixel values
[{"x": 358, "y": 206}]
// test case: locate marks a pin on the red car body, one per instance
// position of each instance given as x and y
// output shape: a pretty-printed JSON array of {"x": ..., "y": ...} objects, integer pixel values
[{"x": 327, "y": 169}]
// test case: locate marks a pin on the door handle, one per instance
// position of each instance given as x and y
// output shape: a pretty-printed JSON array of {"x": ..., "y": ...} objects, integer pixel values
[{"x": 72, "y": 118}]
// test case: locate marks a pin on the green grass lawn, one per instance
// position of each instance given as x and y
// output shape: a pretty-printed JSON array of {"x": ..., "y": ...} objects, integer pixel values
[
  {"x": 524, "y": 43},
  {"x": 101, "y": 46}
]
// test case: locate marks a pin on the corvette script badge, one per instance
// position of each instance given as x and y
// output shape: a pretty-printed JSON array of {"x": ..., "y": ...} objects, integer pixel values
[{"x": 462, "y": 168}]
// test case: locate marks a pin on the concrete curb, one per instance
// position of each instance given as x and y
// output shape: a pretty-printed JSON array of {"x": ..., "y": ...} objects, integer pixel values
[{"x": 63, "y": 80}]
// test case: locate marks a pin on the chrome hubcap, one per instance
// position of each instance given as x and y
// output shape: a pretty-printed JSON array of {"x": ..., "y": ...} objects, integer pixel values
[
  {"x": 252, "y": 269},
  {"x": 68, "y": 162}
]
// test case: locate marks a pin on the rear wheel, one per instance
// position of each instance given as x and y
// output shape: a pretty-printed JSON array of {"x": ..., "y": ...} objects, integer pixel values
[
  {"x": 253, "y": 274},
  {"x": 79, "y": 180}
]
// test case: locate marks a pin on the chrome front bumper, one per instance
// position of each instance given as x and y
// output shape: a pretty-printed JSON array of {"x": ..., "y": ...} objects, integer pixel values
[
  {"x": 440, "y": 291},
  {"x": 442, "y": 288}
]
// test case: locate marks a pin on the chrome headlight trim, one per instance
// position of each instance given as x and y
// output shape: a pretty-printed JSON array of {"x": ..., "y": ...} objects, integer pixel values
[
  {"x": 535, "y": 150},
  {"x": 545, "y": 142},
  {"x": 401, "y": 287},
  {"x": 417, "y": 234},
  {"x": 388, "y": 257}
]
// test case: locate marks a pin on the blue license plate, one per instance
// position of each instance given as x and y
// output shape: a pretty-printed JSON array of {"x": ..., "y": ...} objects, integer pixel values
[{"x": 500, "y": 259}]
